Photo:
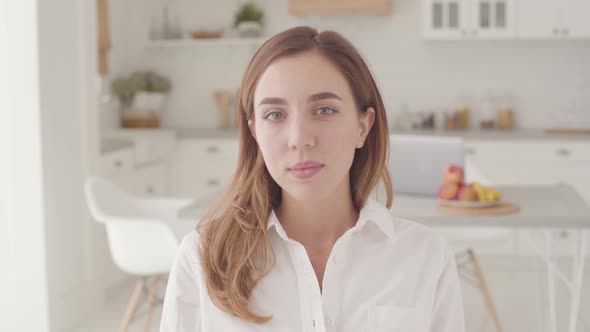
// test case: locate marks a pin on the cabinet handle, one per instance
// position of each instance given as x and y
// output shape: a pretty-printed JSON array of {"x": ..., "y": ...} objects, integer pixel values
[
  {"x": 565, "y": 32},
  {"x": 212, "y": 149},
  {"x": 474, "y": 32},
  {"x": 212, "y": 183},
  {"x": 150, "y": 190},
  {"x": 564, "y": 234},
  {"x": 464, "y": 32},
  {"x": 118, "y": 163},
  {"x": 470, "y": 151},
  {"x": 563, "y": 152},
  {"x": 555, "y": 31}
]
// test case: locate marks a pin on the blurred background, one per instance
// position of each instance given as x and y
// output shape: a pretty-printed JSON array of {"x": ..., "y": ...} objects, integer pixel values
[{"x": 142, "y": 94}]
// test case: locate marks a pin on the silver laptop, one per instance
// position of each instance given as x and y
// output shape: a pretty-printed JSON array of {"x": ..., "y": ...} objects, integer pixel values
[{"x": 416, "y": 163}]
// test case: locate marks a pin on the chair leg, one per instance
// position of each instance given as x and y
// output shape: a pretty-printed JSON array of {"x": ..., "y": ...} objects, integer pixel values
[
  {"x": 484, "y": 288},
  {"x": 153, "y": 292},
  {"x": 132, "y": 305}
]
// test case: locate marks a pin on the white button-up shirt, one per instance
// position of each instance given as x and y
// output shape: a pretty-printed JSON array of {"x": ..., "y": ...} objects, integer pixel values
[{"x": 383, "y": 274}]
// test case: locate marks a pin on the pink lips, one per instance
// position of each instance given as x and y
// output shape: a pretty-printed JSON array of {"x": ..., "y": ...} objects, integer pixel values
[{"x": 305, "y": 170}]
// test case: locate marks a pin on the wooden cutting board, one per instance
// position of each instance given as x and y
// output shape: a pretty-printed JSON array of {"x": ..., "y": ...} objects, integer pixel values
[
  {"x": 566, "y": 131},
  {"x": 500, "y": 209}
]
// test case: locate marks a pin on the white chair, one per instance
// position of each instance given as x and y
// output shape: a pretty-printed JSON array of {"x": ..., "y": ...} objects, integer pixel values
[{"x": 140, "y": 241}]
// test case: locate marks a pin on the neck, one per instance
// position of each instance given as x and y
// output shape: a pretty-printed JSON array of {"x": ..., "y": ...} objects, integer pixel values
[{"x": 318, "y": 224}]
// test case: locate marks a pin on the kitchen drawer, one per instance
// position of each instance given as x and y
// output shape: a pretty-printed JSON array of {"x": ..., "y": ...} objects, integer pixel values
[
  {"x": 495, "y": 151},
  {"x": 209, "y": 149},
  {"x": 199, "y": 178},
  {"x": 563, "y": 242},
  {"x": 116, "y": 162},
  {"x": 149, "y": 145},
  {"x": 555, "y": 151},
  {"x": 149, "y": 149},
  {"x": 146, "y": 181},
  {"x": 485, "y": 241}
]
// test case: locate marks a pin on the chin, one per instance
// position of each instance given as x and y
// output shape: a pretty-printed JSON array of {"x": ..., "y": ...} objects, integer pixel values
[{"x": 306, "y": 191}]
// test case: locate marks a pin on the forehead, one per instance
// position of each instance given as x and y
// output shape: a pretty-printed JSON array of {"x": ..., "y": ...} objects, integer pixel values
[{"x": 298, "y": 76}]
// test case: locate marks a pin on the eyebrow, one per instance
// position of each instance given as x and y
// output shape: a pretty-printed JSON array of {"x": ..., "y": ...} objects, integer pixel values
[{"x": 312, "y": 98}]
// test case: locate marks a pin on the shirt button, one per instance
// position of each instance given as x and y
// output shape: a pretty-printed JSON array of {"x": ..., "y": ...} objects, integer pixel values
[{"x": 330, "y": 323}]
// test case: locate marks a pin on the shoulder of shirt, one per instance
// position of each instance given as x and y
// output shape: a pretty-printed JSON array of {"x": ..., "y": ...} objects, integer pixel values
[
  {"x": 190, "y": 246},
  {"x": 419, "y": 232},
  {"x": 436, "y": 245}
]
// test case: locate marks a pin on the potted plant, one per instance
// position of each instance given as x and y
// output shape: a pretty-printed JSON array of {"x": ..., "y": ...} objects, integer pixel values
[
  {"x": 141, "y": 95},
  {"x": 249, "y": 20}
]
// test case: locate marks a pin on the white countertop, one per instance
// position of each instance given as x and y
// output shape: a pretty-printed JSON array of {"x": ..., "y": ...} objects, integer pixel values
[
  {"x": 113, "y": 144},
  {"x": 472, "y": 134}
]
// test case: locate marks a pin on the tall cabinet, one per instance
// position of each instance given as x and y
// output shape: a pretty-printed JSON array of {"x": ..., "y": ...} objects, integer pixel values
[
  {"x": 553, "y": 19},
  {"x": 505, "y": 19},
  {"x": 468, "y": 19}
]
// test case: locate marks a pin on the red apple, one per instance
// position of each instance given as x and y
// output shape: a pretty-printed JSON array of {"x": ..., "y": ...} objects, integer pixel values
[
  {"x": 454, "y": 174},
  {"x": 448, "y": 191},
  {"x": 467, "y": 193}
]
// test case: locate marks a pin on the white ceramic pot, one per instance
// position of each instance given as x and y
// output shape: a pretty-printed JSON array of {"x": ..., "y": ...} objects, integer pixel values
[
  {"x": 149, "y": 102},
  {"x": 249, "y": 29}
]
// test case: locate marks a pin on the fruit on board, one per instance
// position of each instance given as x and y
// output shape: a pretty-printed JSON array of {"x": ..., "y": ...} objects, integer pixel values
[
  {"x": 486, "y": 194},
  {"x": 467, "y": 193},
  {"x": 454, "y": 174},
  {"x": 448, "y": 191}
]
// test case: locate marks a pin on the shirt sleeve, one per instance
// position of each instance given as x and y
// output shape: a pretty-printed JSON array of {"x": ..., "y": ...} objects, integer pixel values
[
  {"x": 181, "y": 309},
  {"x": 448, "y": 314}
]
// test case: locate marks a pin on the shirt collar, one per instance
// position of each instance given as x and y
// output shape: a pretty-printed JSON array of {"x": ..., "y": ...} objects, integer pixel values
[{"x": 373, "y": 211}]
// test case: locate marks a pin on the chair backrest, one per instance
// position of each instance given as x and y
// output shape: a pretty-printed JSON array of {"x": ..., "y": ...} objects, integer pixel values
[
  {"x": 138, "y": 244},
  {"x": 416, "y": 162},
  {"x": 105, "y": 199}
]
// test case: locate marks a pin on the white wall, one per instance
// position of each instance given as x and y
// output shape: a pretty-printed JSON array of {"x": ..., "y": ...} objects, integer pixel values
[
  {"x": 551, "y": 79},
  {"x": 65, "y": 80},
  {"x": 24, "y": 304},
  {"x": 45, "y": 256}
]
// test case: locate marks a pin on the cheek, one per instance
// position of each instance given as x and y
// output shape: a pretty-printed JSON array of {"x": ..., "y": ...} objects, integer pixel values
[
  {"x": 340, "y": 144},
  {"x": 270, "y": 144}
]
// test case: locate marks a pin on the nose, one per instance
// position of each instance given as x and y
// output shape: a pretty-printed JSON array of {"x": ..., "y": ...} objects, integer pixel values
[{"x": 301, "y": 135}]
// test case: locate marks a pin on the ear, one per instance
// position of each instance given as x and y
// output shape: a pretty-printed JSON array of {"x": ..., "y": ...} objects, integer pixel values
[
  {"x": 252, "y": 128},
  {"x": 365, "y": 125}
]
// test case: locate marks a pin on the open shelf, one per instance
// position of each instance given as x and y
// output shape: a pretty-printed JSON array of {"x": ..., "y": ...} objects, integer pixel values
[{"x": 228, "y": 41}]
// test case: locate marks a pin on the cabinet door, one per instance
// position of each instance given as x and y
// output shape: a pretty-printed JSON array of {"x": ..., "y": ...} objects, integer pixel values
[
  {"x": 493, "y": 18},
  {"x": 146, "y": 181},
  {"x": 540, "y": 18},
  {"x": 577, "y": 22},
  {"x": 201, "y": 178},
  {"x": 443, "y": 19}
]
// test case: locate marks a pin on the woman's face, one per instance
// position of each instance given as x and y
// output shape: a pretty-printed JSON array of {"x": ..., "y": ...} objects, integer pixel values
[{"x": 307, "y": 125}]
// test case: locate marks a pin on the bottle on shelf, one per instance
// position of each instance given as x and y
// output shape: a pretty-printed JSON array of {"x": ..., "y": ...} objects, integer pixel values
[
  {"x": 166, "y": 30},
  {"x": 488, "y": 106},
  {"x": 154, "y": 31}
]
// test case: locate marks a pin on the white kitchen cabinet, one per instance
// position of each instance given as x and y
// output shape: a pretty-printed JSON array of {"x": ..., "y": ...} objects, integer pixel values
[
  {"x": 116, "y": 162},
  {"x": 203, "y": 167},
  {"x": 149, "y": 145},
  {"x": 468, "y": 19},
  {"x": 540, "y": 19},
  {"x": 553, "y": 19},
  {"x": 152, "y": 180},
  {"x": 535, "y": 163},
  {"x": 576, "y": 16}
]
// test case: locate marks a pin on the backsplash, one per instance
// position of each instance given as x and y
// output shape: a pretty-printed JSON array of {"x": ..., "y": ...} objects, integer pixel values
[{"x": 550, "y": 80}]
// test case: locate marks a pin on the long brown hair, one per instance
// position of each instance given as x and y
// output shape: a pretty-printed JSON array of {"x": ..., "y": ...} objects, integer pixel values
[{"x": 235, "y": 250}]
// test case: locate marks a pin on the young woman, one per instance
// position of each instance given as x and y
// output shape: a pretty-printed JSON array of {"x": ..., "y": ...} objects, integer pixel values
[{"x": 297, "y": 243}]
